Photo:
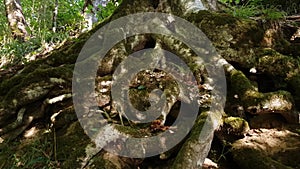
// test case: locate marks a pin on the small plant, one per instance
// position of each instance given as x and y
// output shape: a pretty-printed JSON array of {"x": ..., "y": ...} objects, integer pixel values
[
  {"x": 253, "y": 8},
  {"x": 224, "y": 152},
  {"x": 273, "y": 13},
  {"x": 37, "y": 154},
  {"x": 245, "y": 11}
]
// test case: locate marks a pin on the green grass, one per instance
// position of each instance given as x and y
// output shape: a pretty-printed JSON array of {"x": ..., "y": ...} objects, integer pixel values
[
  {"x": 255, "y": 9},
  {"x": 27, "y": 154}
]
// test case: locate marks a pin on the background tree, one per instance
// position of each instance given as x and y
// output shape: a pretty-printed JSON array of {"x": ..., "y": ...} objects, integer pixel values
[
  {"x": 16, "y": 19},
  {"x": 54, "y": 18},
  {"x": 49, "y": 24},
  {"x": 95, "y": 10}
]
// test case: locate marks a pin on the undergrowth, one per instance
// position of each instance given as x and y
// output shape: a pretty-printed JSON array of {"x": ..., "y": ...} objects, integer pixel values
[
  {"x": 70, "y": 23},
  {"x": 253, "y": 8}
]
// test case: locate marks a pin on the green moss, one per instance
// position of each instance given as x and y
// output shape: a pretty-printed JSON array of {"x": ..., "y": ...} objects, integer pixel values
[
  {"x": 29, "y": 68},
  {"x": 268, "y": 51},
  {"x": 207, "y": 119},
  {"x": 216, "y": 18},
  {"x": 42, "y": 76},
  {"x": 230, "y": 34},
  {"x": 194, "y": 136},
  {"x": 241, "y": 83},
  {"x": 132, "y": 131},
  {"x": 71, "y": 145},
  {"x": 236, "y": 125},
  {"x": 282, "y": 65},
  {"x": 106, "y": 78},
  {"x": 35, "y": 73}
]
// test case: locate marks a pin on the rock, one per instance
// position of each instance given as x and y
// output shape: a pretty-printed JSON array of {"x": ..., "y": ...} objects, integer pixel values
[
  {"x": 233, "y": 128},
  {"x": 236, "y": 125},
  {"x": 267, "y": 148}
]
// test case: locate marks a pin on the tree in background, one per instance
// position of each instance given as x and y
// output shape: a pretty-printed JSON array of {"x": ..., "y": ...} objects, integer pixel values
[
  {"x": 47, "y": 24},
  {"x": 16, "y": 19},
  {"x": 95, "y": 10},
  {"x": 54, "y": 17}
]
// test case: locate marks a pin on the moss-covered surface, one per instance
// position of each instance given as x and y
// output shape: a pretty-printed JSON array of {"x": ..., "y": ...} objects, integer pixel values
[
  {"x": 182, "y": 155},
  {"x": 134, "y": 131},
  {"x": 236, "y": 125},
  {"x": 70, "y": 146},
  {"x": 197, "y": 145},
  {"x": 255, "y": 102},
  {"x": 239, "y": 41}
]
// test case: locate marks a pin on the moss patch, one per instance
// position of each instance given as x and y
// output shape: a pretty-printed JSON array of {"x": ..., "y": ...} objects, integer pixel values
[
  {"x": 71, "y": 145},
  {"x": 236, "y": 125}
]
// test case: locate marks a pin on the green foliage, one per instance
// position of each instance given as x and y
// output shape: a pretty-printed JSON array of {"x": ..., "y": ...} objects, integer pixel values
[
  {"x": 273, "y": 13},
  {"x": 230, "y": 1},
  {"x": 69, "y": 15},
  {"x": 3, "y": 27},
  {"x": 36, "y": 153},
  {"x": 15, "y": 50},
  {"x": 291, "y": 7},
  {"x": 39, "y": 16},
  {"x": 245, "y": 11},
  {"x": 106, "y": 11},
  {"x": 254, "y": 8}
]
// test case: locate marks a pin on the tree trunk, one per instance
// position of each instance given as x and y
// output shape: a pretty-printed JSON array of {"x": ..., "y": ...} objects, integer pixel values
[
  {"x": 36, "y": 103},
  {"x": 90, "y": 16},
  {"x": 54, "y": 16},
  {"x": 16, "y": 19}
]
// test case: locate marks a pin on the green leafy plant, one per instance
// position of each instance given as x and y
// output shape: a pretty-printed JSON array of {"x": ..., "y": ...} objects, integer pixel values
[
  {"x": 106, "y": 11},
  {"x": 254, "y": 8},
  {"x": 273, "y": 13},
  {"x": 230, "y": 1},
  {"x": 15, "y": 50},
  {"x": 245, "y": 11}
]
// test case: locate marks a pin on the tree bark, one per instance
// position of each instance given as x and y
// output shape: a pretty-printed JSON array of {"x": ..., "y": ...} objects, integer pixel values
[
  {"x": 16, "y": 19},
  {"x": 40, "y": 92},
  {"x": 54, "y": 18},
  {"x": 90, "y": 16}
]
